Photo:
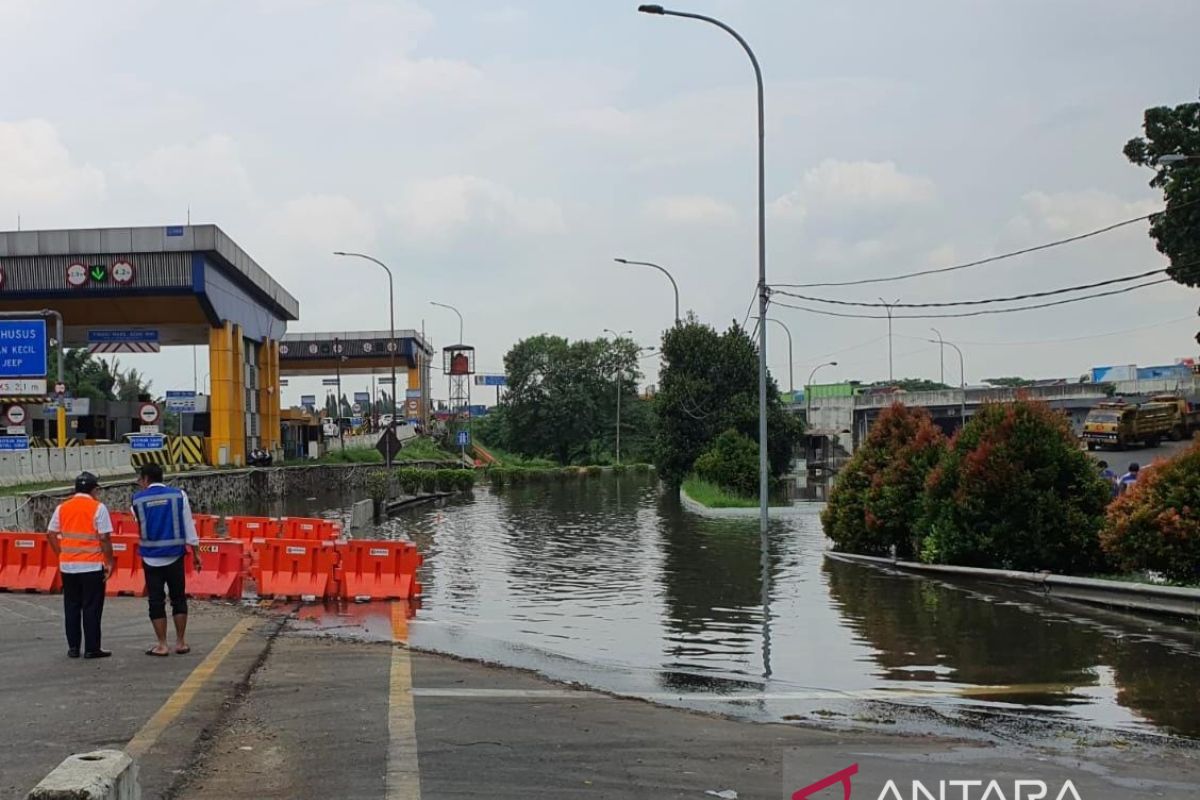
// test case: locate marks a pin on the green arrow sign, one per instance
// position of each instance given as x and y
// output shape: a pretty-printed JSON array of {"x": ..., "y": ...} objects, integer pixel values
[{"x": 98, "y": 273}]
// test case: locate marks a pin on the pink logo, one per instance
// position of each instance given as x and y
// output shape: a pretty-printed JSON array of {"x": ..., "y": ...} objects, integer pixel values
[{"x": 841, "y": 776}]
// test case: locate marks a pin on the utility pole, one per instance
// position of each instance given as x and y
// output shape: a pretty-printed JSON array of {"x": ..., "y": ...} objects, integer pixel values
[
  {"x": 891, "y": 372},
  {"x": 941, "y": 354},
  {"x": 337, "y": 354}
]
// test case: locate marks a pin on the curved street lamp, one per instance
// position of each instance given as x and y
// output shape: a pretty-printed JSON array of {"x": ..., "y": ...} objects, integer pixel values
[
  {"x": 808, "y": 390},
  {"x": 674, "y": 285},
  {"x": 456, "y": 311}
]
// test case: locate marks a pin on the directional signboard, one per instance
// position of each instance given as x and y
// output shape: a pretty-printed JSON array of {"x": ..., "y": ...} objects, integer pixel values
[
  {"x": 463, "y": 438},
  {"x": 182, "y": 402},
  {"x": 491, "y": 380},
  {"x": 329, "y": 381},
  {"x": 23, "y": 348},
  {"x": 14, "y": 442},
  {"x": 362, "y": 397},
  {"x": 140, "y": 442},
  {"x": 308, "y": 399},
  {"x": 130, "y": 335}
]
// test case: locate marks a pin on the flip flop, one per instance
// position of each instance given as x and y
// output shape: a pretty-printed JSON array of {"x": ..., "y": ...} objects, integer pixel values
[
  {"x": 183, "y": 652},
  {"x": 153, "y": 652}
]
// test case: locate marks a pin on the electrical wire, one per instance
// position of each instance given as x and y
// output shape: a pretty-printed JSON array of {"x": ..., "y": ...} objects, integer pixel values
[
  {"x": 977, "y": 313},
  {"x": 1064, "y": 340},
  {"x": 1009, "y": 299},
  {"x": 992, "y": 259}
]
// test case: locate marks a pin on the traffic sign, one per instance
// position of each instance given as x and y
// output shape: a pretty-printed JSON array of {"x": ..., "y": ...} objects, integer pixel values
[
  {"x": 388, "y": 444},
  {"x": 15, "y": 430},
  {"x": 126, "y": 335},
  {"x": 98, "y": 273},
  {"x": 148, "y": 413},
  {"x": 14, "y": 442},
  {"x": 308, "y": 399},
  {"x": 77, "y": 275},
  {"x": 122, "y": 273},
  {"x": 142, "y": 442},
  {"x": 182, "y": 401},
  {"x": 412, "y": 394},
  {"x": 329, "y": 381},
  {"x": 362, "y": 397},
  {"x": 463, "y": 438},
  {"x": 15, "y": 415},
  {"x": 491, "y": 380},
  {"x": 413, "y": 405},
  {"x": 25, "y": 386},
  {"x": 23, "y": 348},
  {"x": 356, "y": 408},
  {"x": 356, "y": 422},
  {"x": 148, "y": 429}
]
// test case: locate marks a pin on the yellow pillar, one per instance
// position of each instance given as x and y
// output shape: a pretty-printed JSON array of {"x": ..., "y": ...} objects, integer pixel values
[
  {"x": 277, "y": 404},
  {"x": 220, "y": 407},
  {"x": 237, "y": 417},
  {"x": 60, "y": 415},
  {"x": 414, "y": 382},
  {"x": 268, "y": 394}
]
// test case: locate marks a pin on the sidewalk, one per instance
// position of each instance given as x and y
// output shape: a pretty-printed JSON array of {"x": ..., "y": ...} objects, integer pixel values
[{"x": 297, "y": 715}]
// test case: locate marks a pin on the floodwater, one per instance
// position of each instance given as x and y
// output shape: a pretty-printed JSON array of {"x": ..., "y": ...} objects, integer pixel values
[{"x": 610, "y": 583}]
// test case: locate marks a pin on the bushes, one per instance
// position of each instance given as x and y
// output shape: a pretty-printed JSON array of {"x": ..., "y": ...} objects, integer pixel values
[
  {"x": 414, "y": 481},
  {"x": 878, "y": 498},
  {"x": 730, "y": 463},
  {"x": 1014, "y": 491},
  {"x": 1155, "y": 525}
]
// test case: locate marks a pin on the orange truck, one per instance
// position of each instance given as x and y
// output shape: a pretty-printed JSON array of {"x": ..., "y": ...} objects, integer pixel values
[
  {"x": 1121, "y": 425},
  {"x": 1187, "y": 415}
]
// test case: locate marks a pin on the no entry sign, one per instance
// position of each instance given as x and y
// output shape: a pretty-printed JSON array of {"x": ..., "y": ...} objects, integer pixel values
[{"x": 148, "y": 413}]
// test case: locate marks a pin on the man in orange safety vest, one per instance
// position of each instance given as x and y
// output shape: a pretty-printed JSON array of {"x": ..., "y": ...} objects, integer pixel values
[{"x": 79, "y": 534}]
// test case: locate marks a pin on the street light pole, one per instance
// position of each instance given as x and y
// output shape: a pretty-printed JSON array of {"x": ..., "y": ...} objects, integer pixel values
[
  {"x": 763, "y": 290},
  {"x": 456, "y": 311},
  {"x": 393, "y": 346},
  {"x": 941, "y": 354},
  {"x": 891, "y": 373},
  {"x": 337, "y": 354},
  {"x": 674, "y": 285},
  {"x": 808, "y": 391},
  {"x": 618, "y": 377},
  {"x": 962, "y": 379},
  {"x": 791, "y": 377}
]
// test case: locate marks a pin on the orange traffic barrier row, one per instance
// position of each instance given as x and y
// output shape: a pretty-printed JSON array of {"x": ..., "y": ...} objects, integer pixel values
[
  {"x": 124, "y": 522},
  {"x": 127, "y": 577},
  {"x": 250, "y": 528},
  {"x": 298, "y": 568},
  {"x": 323, "y": 530},
  {"x": 222, "y": 570},
  {"x": 27, "y": 564},
  {"x": 206, "y": 525},
  {"x": 378, "y": 570}
]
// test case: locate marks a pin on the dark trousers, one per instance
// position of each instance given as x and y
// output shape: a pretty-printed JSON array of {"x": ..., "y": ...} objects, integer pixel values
[
  {"x": 83, "y": 603},
  {"x": 161, "y": 581}
]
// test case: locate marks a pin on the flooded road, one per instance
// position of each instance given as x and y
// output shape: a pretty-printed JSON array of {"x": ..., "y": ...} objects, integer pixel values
[{"x": 608, "y": 582}]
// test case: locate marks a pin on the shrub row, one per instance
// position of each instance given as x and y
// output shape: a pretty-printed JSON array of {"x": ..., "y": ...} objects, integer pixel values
[{"x": 1012, "y": 490}]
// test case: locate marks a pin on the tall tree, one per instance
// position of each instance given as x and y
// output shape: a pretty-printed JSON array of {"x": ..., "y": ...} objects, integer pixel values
[
  {"x": 1174, "y": 132},
  {"x": 708, "y": 384}
]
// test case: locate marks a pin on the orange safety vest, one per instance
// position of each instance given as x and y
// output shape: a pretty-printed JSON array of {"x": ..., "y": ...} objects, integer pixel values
[{"x": 79, "y": 540}]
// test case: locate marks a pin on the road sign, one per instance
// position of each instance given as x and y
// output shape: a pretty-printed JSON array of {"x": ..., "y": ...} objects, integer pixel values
[
  {"x": 329, "y": 381},
  {"x": 126, "y": 335},
  {"x": 283, "y": 382},
  {"x": 174, "y": 230},
  {"x": 182, "y": 401},
  {"x": 356, "y": 422},
  {"x": 14, "y": 442},
  {"x": 148, "y": 429},
  {"x": 22, "y": 386},
  {"x": 98, "y": 273},
  {"x": 385, "y": 381},
  {"x": 388, "y": 444},
  {"x": 308, "y": 399},
  {"x": 356, "y": 408},
  {"x": 122, "y": 273},
  {"x": 15, "y": 415},
  {"x": 23, "y": 349},
  {"x": 491, "y": 380},
  {"x": 413, "y": 405},
  {"x": 142, "y": 442},
  {"x": 148, "y": 413},
  {"x": 77, "y": 275},
  {"x": 15, "y": 430},
  {"x": 463, "y": 438},
  {"x": 412, "y": 394},
  {"x": 362, "y": 397}
]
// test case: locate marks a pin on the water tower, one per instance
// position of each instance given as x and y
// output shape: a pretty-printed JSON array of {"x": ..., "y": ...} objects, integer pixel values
[{"x": 458, "y": 362}]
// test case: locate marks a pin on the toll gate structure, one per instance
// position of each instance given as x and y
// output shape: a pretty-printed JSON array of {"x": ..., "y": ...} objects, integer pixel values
[{"x": 140, "y": 289}]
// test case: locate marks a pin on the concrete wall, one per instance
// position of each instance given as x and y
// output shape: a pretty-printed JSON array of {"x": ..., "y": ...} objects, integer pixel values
[{"x": 53, "y": 464}]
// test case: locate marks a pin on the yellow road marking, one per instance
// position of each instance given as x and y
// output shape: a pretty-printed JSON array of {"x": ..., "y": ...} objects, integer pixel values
[
  {"x": 144, "y": 739},
  {"x": 403, "y": 771}
]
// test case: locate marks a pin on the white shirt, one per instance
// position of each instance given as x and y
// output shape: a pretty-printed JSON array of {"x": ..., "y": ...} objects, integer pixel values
[
  {"x": 103, "y": 523},
  {"x": 189, "y": 531}
]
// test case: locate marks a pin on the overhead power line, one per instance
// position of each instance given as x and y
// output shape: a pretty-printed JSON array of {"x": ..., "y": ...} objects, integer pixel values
[
  {"x": 987, "y": 301},
  {"x": 980, "y": 313},
  {"x": 991, "y": 259}
]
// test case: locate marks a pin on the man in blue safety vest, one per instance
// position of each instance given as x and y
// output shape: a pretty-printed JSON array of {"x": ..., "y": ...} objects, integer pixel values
[{"x": 167, "y": 530}]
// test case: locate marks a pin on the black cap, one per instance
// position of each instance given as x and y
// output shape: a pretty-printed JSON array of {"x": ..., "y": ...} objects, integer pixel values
[
  {"x": 1134, "y": 467},
  {"x": 86, "y": 483}
]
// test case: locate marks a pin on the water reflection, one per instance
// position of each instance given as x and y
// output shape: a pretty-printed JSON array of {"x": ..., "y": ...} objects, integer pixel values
[{"x": 610, "y": 582}]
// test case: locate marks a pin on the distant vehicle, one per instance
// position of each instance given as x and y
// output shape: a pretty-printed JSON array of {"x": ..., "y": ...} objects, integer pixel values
[
  {"x": 385, "y": 420},
  {"x": 1121, "y": 425},
  {"x": 1187, "y": 415}
]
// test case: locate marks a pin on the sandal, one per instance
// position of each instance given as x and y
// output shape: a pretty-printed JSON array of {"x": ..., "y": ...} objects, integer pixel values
[
  {"x": 153, "y": 651},
  {"x": 183, "y": 651}
]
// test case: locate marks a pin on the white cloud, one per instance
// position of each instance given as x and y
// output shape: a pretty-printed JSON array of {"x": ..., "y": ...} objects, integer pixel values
[
  {"x": 440, "y": 208},
  {"x": 851, "y": 185},
  {"x": 400, "y": 79},
  {"x": 210, "y": 168},
  {"x": 38, "y": 171},
  {"x": 324, "y": 223},
  {"x": 1075, "y": 212},
  {"x": 690, "y": 209}
]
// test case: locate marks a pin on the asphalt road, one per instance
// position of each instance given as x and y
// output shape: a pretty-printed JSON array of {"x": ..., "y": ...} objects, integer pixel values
[
  {"x": 1119, "y": 460},
  {"x": 263, "y": 708}
]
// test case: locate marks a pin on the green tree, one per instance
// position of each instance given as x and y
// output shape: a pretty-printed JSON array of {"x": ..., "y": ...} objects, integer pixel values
[
  {"x": 1009, "y": 383},
  {"x": 85, "y": 375},
  {"x": 708, "y": 384},
  {"x": 1174, "y": 131},
  {"x": 1014, "y": 491},
  {"x": 130, "y": 385},
  {"x": 731, "y": 463},
  {"x": 910, "y": 385},
  {"x": 876, "y": 503}
]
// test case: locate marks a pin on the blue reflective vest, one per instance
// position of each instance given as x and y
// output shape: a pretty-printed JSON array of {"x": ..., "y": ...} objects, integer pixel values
[{"x": 159, "y": 512}]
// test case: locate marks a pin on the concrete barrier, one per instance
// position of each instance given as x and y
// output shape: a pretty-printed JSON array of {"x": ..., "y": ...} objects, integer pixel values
[
  {"x": 99, "y": 775},
  {"x": 87, "y": 459},
  {"x": 118, "y": 459},
  {"x": 58, "y": 463},
  {"x": 74, "y": 461},
  {"x": 10, "y": 467},
  {"x": 40, "y": 458},
  {"x": 26, "y": 467}
]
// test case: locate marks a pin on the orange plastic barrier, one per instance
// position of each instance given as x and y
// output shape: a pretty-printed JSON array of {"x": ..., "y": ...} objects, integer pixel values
[
  {"x": 206, "y": 525},
  {"x": 124, "y": 522},
  {"x": 221, "y": 570},
  {"x": 128, "y": 577},
  {"x": 27, "y": 564},
  {"x": 322, "y": 530},
  {"x": 379, "y": 570},
  {"x": 250, "y": 528},
  {"x": 294, "y": 568}
]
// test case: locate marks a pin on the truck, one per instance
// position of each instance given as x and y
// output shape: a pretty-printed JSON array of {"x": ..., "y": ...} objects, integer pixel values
[
  {"x": 1121, "y": 425},
  {"x": 1187, "y": 415}
]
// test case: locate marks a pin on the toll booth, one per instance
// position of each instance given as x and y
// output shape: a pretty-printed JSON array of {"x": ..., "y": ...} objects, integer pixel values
[{"x": 143, "y": 289}]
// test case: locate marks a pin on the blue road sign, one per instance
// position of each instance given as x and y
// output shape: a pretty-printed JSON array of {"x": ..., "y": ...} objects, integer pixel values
[
  {"x": 146, "y": 441},
  {"x": 491, "y": 380},
  {"x": 329, "y": 381},
  {"x": 182, "y": 402},
  {"x": 362, "y": 397},
  {"x": 308, "y": 399},
  {"x": 98, "y": 337},
  {"x": 356, "y": 422},
  {"x": 23, "y": 348},
  {"x": 14, "y": 442},
  {"x": 174, "y": 230},
  {"x": 464, "y": 438}
]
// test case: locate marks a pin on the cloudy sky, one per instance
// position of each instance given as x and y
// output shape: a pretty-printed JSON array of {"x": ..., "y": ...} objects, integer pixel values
[{"x": 499, "y": 154}]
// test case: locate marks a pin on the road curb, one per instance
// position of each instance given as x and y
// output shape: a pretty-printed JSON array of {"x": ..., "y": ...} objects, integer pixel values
[{"x": 1172, "y": 601}]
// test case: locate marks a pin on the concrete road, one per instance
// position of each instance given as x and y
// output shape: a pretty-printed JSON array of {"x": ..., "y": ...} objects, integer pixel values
[{"x": 266, "y": 709}]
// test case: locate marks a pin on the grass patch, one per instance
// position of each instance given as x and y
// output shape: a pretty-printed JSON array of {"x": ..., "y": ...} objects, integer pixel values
[
  {"x": 713, "y": 496},
  {"x": 424, "y": 449},
  {"x": 351, "y": 455},
  {"x": 508, "y": 459}
]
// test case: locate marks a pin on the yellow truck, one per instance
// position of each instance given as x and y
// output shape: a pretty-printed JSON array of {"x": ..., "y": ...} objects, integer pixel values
[
  {"x": 1187, "y": 416},
  {"x": 1121, "y": 425}
]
